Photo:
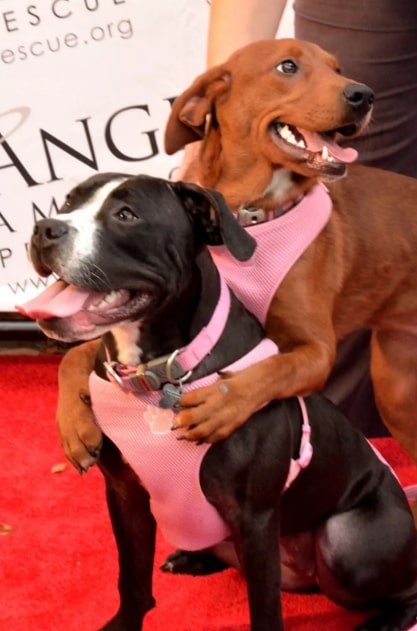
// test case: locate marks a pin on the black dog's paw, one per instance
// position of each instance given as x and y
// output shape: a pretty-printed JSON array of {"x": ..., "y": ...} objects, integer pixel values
[
  {"x": 198, "y": 563},
  {"x": 131, "y": 617},
  {"x": 117, "y": 624}
]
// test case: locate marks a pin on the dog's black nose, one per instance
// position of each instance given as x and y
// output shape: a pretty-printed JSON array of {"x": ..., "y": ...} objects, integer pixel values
[
  {"x": 359, "y": 97},
  {"x": 48, "y": 232}
]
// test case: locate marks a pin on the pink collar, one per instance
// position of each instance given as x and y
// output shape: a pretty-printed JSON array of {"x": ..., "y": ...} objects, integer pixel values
[
  {"x": 192, "y": 354},
  {"x": 176, "y": 367}
]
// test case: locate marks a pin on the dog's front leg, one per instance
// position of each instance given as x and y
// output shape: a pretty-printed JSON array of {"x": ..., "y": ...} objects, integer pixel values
[
  {"x": 307, "y": 341},
  {"x": 80, "y": 437},
  {"x": 134, "y": 529},
  {"x": 214, "y": 412},
  {"x": 260, "y": 557}
]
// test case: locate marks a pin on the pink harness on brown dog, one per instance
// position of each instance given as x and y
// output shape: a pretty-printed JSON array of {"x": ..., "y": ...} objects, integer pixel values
[{"x": 279, "y": 245}]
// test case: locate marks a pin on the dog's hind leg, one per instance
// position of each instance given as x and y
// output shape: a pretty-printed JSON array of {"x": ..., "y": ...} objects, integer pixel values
[
  {"x": 394, "y": 374},
  {"x": 134, "y": 530},
  {"x": 367, "y": 557}
]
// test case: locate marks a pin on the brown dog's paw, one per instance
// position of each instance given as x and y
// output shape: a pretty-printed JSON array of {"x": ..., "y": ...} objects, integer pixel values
[
  {"x": 81, "y": 438},
  {"x": 85, "y": 398},
  {"x": 82, "y": 445},
  {"x": 214, "y": 412}
]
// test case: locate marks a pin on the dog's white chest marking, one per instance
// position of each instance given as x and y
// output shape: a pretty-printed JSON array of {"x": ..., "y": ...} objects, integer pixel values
[
  {"x": 127, "y": 338},
  {"x": 280, "y": 183}
]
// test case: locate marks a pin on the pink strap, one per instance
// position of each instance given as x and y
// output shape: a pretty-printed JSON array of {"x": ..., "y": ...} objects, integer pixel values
[
  {"x": 306, "y": 448},
  {"x": 411, "y": 492},
  {"x": 382, "y": 459},
  {"x": 190, "y": 356}
]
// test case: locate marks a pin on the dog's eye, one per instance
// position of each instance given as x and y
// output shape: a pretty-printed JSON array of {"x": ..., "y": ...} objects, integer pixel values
[
  {"x": 288, "y": 66},
  {"x": 125, "y": 214},
  {"x": 66, "y": 206}
]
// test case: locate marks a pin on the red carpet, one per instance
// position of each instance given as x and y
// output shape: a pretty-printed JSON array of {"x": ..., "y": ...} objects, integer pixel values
[{"x": 58, "y": 568}]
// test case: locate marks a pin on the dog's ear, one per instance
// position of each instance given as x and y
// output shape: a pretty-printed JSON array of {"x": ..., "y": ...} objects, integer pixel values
[
  {"x": 214, "y": 222},
  {"x": 187, "y": 120}
]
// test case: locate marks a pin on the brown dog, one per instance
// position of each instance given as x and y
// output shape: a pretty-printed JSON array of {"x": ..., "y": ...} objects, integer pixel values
[{"x": 268, "y": 118}]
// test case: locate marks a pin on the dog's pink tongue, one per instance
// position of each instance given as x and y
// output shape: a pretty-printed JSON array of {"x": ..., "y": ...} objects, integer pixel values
[
  {"x": 60, "y": 300},
  {"x": 316, "y": 142}
]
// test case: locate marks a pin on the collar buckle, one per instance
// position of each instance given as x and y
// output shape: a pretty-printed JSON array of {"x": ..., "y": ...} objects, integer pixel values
[
  {"x": 144, "y": 381},
  {"x": 113, "y": 375},
  {"x": 251, "y": 216},
  {"x": 147, "y": 377}
]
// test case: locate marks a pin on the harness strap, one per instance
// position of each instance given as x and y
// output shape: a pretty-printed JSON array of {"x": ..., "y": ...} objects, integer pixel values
[
  {"x": 306, "y": 448},
  {"x": 192, "y": 354}
]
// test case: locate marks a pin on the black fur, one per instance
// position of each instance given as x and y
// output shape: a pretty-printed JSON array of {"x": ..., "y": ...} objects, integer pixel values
[{"x": 346, "y": 514}]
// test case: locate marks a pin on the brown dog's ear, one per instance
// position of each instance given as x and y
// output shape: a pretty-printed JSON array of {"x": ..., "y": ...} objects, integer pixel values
[
  {"x": 187, "y": 120},
  {"x": 214, "y": 222}
]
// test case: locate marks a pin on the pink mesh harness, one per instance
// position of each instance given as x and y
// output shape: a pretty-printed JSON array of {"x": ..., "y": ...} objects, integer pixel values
[
  {"x": 279, "y": 244},
  {"x": 170, "y": 470}
]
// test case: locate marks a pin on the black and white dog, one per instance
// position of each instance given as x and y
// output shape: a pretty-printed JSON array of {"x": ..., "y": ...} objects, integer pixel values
[{"x": 132, "y": 256}]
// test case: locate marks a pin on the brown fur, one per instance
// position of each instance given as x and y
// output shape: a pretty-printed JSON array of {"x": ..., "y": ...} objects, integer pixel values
[{"x": 359, "y": 273}]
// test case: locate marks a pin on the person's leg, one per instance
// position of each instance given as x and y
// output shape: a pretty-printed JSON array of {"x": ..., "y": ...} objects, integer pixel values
[
  {"x": 350, "y": 386},
  {"x": 375, "y": 42}
]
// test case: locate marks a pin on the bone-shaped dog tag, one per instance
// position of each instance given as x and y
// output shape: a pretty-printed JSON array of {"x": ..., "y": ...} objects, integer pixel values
[{"x": 171, "y": 395}]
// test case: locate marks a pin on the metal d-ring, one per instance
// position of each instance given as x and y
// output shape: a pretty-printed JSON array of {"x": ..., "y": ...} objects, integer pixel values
[
  {"x": 168, "y": 369},
  {"x": 110, "y": 368}
]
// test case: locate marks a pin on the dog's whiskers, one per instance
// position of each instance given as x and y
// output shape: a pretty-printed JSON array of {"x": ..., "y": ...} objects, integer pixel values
[{"x": 91, "y": 272}]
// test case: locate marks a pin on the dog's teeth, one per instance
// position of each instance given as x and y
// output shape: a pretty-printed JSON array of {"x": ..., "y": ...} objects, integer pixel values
[
  {"x": 285, "y": 131},
  {"x": 111, "y": 297},
  {"x": 287, "y": 134},
  {"x": 325, "y": 154}
]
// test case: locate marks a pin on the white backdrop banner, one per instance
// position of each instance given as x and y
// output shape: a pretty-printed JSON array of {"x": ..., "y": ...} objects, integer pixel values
[{"x": 86, "y": 86}]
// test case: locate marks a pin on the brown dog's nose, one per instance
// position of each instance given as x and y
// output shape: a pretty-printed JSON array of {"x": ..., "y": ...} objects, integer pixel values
[
  {"x": 48, "y": 231},
  {"x": 359, "y": 97}
]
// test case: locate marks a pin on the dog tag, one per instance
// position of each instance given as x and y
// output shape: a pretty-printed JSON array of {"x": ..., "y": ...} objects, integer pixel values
[{"x": 171, "y": 395}]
